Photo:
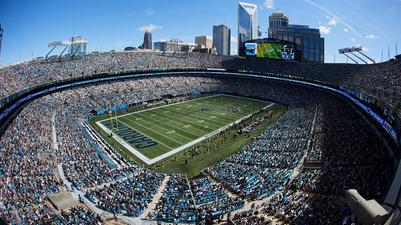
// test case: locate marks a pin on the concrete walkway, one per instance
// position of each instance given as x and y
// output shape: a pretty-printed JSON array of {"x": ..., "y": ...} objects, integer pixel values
[
  {"x": 67, "y": 184},
  {"x": 156, "y": 198}
]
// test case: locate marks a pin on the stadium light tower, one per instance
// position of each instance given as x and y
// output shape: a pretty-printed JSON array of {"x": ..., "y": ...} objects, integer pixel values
[
  {"x": 67, "y": 43},
  {"x": 352, "y": 51}
]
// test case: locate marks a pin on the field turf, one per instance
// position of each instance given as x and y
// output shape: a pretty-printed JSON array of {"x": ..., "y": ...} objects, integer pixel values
[
  {"x": 156, "y": 131},
  {"x": 192, "y": 166}
]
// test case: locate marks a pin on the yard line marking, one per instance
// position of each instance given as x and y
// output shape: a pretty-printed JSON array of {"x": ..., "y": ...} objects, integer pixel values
[
  {"x": 201, "y": 116},
  {"x": 143, "y": 134},
  {"x": 197, "y": 135},
  {"x": 162, "y": 106},
  {"x": 185, "y": 121},
  {"x": 128, "y": 146},
  {"x": 178, "y": 142},
  {"x": 153, "y": 125},
  {"x": 172, "y": 152}
]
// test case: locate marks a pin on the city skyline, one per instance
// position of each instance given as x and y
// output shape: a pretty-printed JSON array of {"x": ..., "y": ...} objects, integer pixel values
[{"x": 108, "y": 26}]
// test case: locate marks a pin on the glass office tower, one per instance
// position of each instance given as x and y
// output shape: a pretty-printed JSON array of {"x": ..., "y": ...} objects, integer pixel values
[
  {"x": 222, "y": 39},
  {"x": 247, "y": 23},
  {"x": 147, "y": 40},
  {"x": 310, "y": 45}
]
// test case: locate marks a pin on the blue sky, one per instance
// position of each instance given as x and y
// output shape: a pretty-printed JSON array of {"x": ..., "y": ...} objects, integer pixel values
[{"x": 30, "y": 24}]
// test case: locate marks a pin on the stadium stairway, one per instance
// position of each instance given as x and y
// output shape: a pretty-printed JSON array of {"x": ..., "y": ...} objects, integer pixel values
[{"x": 156, "y": 198}]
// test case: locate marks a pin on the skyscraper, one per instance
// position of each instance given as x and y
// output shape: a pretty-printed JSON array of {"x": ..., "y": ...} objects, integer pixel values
[
  {"x": 277, "y": 20},
  {"x": 147, "y": 40},
  {"x": 1, "y": 37},
  {"x": 204, "y": 41},
  {"x": 222, "y": 39},
  {"x": 310, "y": 45},
  {"x": 248, "y": 22}
]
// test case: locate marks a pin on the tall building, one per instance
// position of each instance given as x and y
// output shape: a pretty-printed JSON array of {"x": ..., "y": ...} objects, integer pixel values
[
  {"x": 222, "y": 39},
  {"x": 174, "y": 45},
  {"x": 310, "y": 45},
  {"x": 1, "y": 37},
  {"x": 78, "y": 46},
  {"x": 204, "y": 41},
  {"x": 147, "y": 40},
  {"x": 248, "y": 23},
  {"x": 277, "y": 20}
]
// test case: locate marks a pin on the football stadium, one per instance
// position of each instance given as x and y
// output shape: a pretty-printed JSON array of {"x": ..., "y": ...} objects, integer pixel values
[{"x": 150, "y": 136}]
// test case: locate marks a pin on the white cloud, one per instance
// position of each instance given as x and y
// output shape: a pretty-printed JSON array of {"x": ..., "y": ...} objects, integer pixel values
[
  {"x": 365, "y": 49},
  {"x": 324, "y": 29},
  {"x": 269, "y": 4},
  {"x": 370, "y": 36},
  {"x": 339, "y": 19},
  {"x": 332, "y": 22},
  {"x": 149, "y": 12},
  {"x": 149, "y": 28},
  {"x": 345, "y": 30}
]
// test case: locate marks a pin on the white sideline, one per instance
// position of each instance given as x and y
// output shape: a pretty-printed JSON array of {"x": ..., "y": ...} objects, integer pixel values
[
  {"x": 176, "y": 150},
  {"x": 162, "y": 106}
]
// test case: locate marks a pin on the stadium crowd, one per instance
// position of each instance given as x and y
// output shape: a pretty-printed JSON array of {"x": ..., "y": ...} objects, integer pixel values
[
  {"x": 177, "y": 203},
  {"x": 129, "y": 196},
  {"x": 375, "y": 80},
  {"x": 264, "y": 166},
  {"x": 80, "y": 215},
  {"x": 27, "y": 170},
  {"x": 210, "y": 198},
  {"x": 316, "y": 194},
  {"x": 328, "y": 132}
]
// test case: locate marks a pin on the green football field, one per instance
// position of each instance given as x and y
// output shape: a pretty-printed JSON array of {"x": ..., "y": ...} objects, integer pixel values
[
  {"x": 267, "y": 50},
  {"x": 156, "y": 133}
]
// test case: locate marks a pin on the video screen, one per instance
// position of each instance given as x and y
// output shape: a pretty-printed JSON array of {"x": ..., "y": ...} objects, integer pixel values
[
  {"x": 250, "y": 49},
  {"x": 270, "y": 51}
]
